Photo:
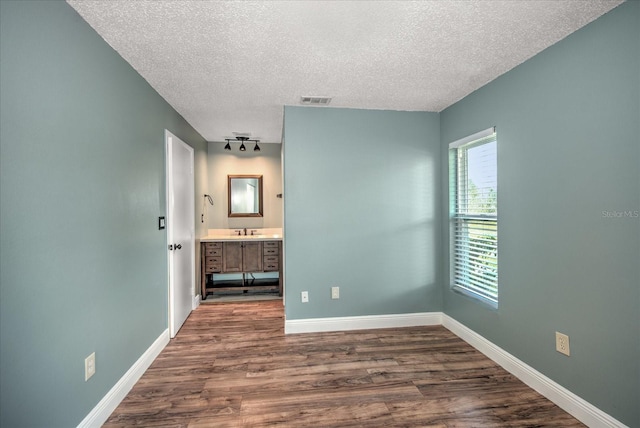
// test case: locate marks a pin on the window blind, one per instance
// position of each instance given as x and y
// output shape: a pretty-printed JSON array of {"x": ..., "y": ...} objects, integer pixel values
[{"x": 474, "y": 215}]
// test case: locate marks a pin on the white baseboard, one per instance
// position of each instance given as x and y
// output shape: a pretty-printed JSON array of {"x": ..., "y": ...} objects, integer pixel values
[
  {"x": 109, "y": 402},
  {"x": 316, "y": 325},
  {"x": 582, "y": 410},
  {"x": 196, "y": 302}
]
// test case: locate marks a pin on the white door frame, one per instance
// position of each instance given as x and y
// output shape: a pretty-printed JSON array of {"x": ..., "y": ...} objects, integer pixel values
[{"x": 172, "y": 139}]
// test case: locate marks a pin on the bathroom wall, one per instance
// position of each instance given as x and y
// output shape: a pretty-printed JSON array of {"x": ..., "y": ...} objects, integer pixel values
[
  {"x": 221, "y": 163},
  {"x": 361, "y": 212},
  {"x": 568, "y": 127},
  {"x": 83, "y": 266}
]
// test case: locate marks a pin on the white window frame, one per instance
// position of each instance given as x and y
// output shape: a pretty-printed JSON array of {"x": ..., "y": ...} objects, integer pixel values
[{"x": 473, "y": 262}]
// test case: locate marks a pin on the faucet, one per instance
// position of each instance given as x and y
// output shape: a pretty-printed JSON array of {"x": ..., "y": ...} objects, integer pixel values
[
  {"x": 239, "y": 232},
  {"x": 252, "y": 232},
  {"x": 245, "y": 231}
]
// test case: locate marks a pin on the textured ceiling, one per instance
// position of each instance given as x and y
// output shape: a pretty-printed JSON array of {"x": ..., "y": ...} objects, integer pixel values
[{"x": 231, "y": 66}]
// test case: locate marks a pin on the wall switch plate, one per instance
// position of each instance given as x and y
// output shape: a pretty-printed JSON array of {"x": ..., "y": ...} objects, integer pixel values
[
  {"x": 562, "y": 344},
  {"x": 335, "y": 293},
  {"x": 161, "y": 223},
  {"x": 304, "y": 296},
  {"x": 89, "y": 366}
]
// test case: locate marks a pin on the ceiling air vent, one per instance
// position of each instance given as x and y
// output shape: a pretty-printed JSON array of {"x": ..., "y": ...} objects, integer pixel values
[
  {"x": 242, "y": 134},
  {"x": 315, "y": 101}
]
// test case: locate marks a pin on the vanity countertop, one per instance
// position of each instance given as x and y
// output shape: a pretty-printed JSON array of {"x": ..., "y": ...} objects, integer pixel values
[
  {"x": 216, "y": 238},
  {"x": 265, "y": 234}
]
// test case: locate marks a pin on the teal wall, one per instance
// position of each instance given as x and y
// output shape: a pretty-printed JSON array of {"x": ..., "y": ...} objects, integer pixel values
[
  {"x": 361, "y": 211},
  {"x": 82, "y": 262},
  {"x": 568, "y": 149}
]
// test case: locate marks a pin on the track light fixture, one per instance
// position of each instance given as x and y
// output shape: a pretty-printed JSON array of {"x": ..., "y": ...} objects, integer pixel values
[{"x": 242, "y": 140}]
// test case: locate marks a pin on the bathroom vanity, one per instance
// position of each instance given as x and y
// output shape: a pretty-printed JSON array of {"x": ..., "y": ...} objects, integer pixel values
[{"x": 243, "y": 255}]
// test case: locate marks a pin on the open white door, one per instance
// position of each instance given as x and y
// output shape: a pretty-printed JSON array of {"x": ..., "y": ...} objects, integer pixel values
[{"x": 180, "y": 230}]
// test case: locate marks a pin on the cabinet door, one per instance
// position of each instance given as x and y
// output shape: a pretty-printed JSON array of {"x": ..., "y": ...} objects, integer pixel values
[
  {"x": 232, "y": 257},
  {"x": 252, "y": 255}
]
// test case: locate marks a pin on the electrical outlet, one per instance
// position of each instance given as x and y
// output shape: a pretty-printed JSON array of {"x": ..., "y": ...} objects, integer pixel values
[
  {"x": 89, "y": 366},
  {"x": 304, "y": 296},
  {"x": 335, "y": 292},
  {"x": 562, "y": 344}
]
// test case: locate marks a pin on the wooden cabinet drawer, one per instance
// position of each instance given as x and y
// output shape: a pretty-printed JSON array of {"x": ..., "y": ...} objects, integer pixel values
[
  {"x": 213, "y": 264},
  {"x": 270, "y": 251},
  {"x": 271, "y": 266},
  {"x": 212, "y": 249},
  {"x": 211, "y": 252},
  {"x": 271, "y": 259}
]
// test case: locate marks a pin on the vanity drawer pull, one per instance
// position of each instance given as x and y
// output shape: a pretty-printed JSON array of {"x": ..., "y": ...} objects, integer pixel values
[
  {"x": 213, "y": 260},
  {"x": 210, "y": 252},
  {"x": 271, "y": 251},
  {"x": 271, "y": 259},
  {"x": 210, "y": 245},
  {"x": 271, "y": 267},
  {"x": 269, "y": 244}
]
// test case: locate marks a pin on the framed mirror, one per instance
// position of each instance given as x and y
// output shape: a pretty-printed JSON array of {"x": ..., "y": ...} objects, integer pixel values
[{"x": 245, "y": 195}]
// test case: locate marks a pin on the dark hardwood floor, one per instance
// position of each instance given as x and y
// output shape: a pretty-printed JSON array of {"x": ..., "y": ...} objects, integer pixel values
[{"x": 232, "y": 366}]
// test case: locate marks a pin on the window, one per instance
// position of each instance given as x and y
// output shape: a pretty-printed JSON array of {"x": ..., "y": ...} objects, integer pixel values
[{"x": 473, "y": 192}]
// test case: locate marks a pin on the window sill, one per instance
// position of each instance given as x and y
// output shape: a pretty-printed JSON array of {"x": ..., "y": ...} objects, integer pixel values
[{"x": 490, "y": 304}]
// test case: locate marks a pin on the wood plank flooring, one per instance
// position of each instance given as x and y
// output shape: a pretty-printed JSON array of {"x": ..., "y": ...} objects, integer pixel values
[{"x": 232, "y": 366}]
